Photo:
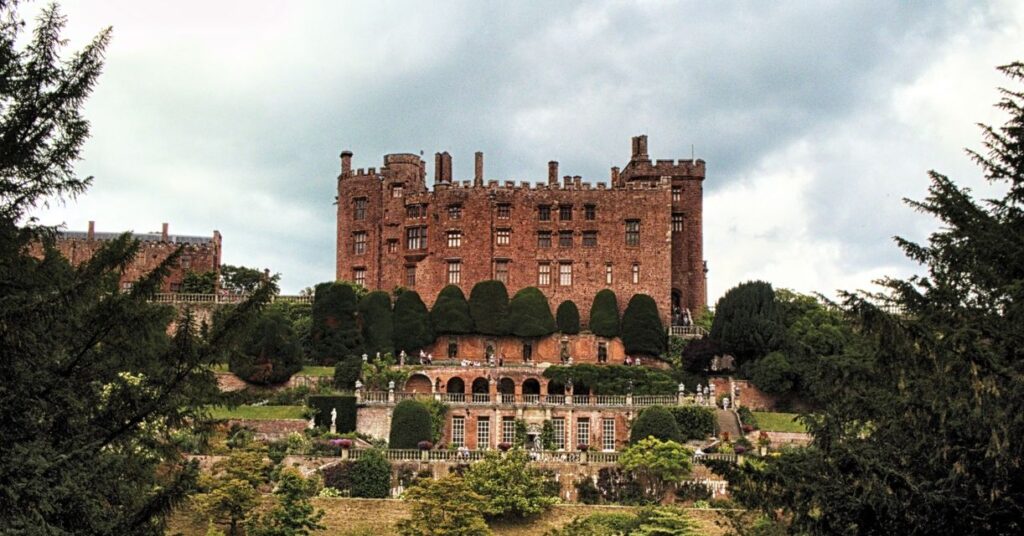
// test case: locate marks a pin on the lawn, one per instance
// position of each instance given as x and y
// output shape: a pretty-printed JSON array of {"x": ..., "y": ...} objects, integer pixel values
[
  {"x": 327, "y": 372},
  {"x": 257, "y": 412},
  {"x": 778, "y": 422}
]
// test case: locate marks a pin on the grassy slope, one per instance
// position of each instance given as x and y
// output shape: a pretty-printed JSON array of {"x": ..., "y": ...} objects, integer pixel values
[
  {"x": 778, "y": 422},
  {"x": 257, "y": 412}
]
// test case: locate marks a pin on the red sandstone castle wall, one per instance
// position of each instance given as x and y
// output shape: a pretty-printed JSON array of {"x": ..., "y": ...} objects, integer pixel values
[{"x": 669, "y": 262}]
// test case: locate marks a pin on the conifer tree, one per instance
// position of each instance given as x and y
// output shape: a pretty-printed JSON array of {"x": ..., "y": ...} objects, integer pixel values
[
  {"x": 412, "y": 323},
  {"x": 488, "y": 305},
  {"x": 568, "y": 318},
  {"x": 378, "y": 322},
  {"x": 604, "y": 314},
  {"x": 746, "y": 321},
  {"x": 529, "y": 314},
  {"x": 335, "y": 332},
  {"x": 450, "y": 314},
  {"x": 642, "y": 330}
]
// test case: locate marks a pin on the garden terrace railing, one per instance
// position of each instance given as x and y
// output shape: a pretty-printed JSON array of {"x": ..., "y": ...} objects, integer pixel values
[
  {"x": 687, "y": 332},
  {"x": 379, "y": 397},
  {"x": 722, "y": 456},
  {"x": 654, "y": 400},
  {"x": 555, "y": 399},
  {"x": 509, "y": 399},
  {"x": 453, "y": 397},
  {"x": 549, "y": 456},
  {"x": 609, "y": 400},
  {"x": 480, "y": 398},
  {"x": 179, "y": 298},
  {"x": 531, "y": 399}
]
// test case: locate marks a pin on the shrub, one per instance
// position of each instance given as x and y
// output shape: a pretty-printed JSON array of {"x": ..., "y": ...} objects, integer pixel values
[
  {"x": 697, "y": 355},
  {"x": 694, "y": 422},
  {"x": 642, "y": 331},
  {"x": 410, "y": 423},
  {"x": 371, "y": 476},
  {"x": 376, "y": 318},
  {"x": 748, "y": 418},
  {"x": 334, "y": 332},
  {"x": 568, "y": 318},
  {"x": 345, "y": 406},
  {"x": 444, "y": 506},
  {"x": 450, "y": 314},
  {"x": 773, "y": 374},
  {"x": 413, "y": 323},
  {"x": 438, "y": 416},
  {"x": 604, "y": 314},
  {"x": 488, "y": 305},
  {"x": 529, "y": 314},
  {"x": 510, "y": 486},
  {"x": 270, "y": 352},
  {"x": 347, "y": 371},
  {"x": 659, "y": 464},
  {"x": 656, "y": 422},
  {"x": 746, "y": 321}
]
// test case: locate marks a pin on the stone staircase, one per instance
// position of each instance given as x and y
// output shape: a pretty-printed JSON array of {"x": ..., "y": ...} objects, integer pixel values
[{"x": 727, "y": 422}]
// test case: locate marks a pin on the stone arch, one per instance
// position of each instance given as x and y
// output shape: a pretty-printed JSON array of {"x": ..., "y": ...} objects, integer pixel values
[
  {"x": 531, "y": 386},
  {"x": 456, "y": 385},
  {"x": 506, "y": 386},
  {"x": 418, "y": 383},
  {"x": 556, "y": 388},
  {"x": 480, "y": 386},
  {"x": 580, "y": 389}
]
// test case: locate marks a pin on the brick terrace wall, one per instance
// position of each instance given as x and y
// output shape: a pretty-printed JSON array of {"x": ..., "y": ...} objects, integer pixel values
[
  {"x": 789, "y": 438},
  {"x": 272, "y": 429},
  {"x": 582, "y": 348},
  {"x": 669, "y": 263}
]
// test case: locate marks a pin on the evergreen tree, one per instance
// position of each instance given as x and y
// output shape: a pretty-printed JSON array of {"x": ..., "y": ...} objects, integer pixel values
[
  {"x": 656, "y": 422},
  {"x": 529, "y": 314},
  {"x": 642, "y": 330},
  {"x": 922, "y": 417},
  {"x": 410, "y": 423},
  {"x": 604, "y": 314},
  {"x": 269, "y": 352},
  {"x": 293, "y": 515},
  {"x": 92, "y": 386},
  {"x": 510, "y": 485},
  {"x": 746, "y": 321},
  {"x": 450, "y": 314},
  {"x": 488, "y": 305},
  {"x": 335, "y": 332},
  {"x": 568, "y": 318},
  {"x": 377, "y": 319},
  {"x": 412, "y": 323},
  {"x": 444, "y": 507}
]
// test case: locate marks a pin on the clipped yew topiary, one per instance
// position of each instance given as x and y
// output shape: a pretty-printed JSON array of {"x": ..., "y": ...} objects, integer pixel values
[
  {"x": 270, "y": 352},
  {"x": 642, "y": 331},
  {"x": 529, "y": 314},
  {"x": 346, "y": 372},
  {"x": 604, "y": 314},
  {"x": 412, "y": 323},
  {"x": 335, "y": 332},
  {"x": 377, "y": 320},
  {"x": 410, "y": 424},
  {"x": 488, "y": 305},
  {"x": 656, "y": 422},
  {"x": 568, "y": 318},
  {"x": 747, "y": 323},
  {"x": 450, "y": 314}
]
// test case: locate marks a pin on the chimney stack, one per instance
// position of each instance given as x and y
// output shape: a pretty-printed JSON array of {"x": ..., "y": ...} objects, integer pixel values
[
  {"x": 552, "y": 172},
  {"x": 438, "y": 169},
  {"x": 615, "y": 176},
  {"x": 346, "y": 162},
  {"x": 640, "y": 147},
  {"x": 92, "y": 230},
  {"x": 446, "y": 167},
  {"x": 163, "y": 233},
  {"x": 478, "y": 175}
]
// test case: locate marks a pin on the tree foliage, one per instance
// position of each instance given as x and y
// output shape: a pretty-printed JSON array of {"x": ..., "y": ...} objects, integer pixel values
[
  {"x": 773, "y": 374},
  {"x": 293, "y": 515},
  {"x": 450, "y": 314},
  {"x": 444, "y": 507},
  {"x": 411, "y": 422},
  {"x": 270, "y": 351},
  {"x": 568, "y": 318},
  {"x": 488, "y": 305},
  {"x": 231, "y": 489},
  {"x": 642, "y": 330},
  {"x": 335, "y": 333},
  {"x": 529, "y": 314},
  {"x": 920, "y": 423},
  {"x": 199, "y": 282},
  {"x": 412, "y": 321},
  {"x": 746, "y": 321},
  {"x": 660, "y": 464},
  {"x": 371, "y": 476},
  {"x": 244, "y": 280},
  {"x": 656, "y": 422},
  {"x": 511, "y": 487},
  {"x": 377, "y": 320},
  {"x": 604, "y": 314},
  {"x": 697, "y": 354},
  {"x": 614, "y": 379}
]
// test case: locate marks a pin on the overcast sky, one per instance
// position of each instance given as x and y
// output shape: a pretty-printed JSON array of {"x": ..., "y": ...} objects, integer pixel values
[{"x": 815, "y": 118}]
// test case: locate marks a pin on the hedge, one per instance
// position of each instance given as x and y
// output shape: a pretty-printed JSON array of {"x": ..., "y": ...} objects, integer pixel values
[
  {"x": 657, "y": 422},
  {"x": 568, "y": 318},
  {"x": 450, "y": 314},
  {"x": 642, "y": 331},
  {"x": 371, "y": 476},
  {"x": 412, "y": 322},
  {"x": 604, "y": 314},
  {"x": 377, "y": 321},
  {"x": 346, "y": 406},
  {"x": 695, "y": 422},
  {"x": 529, "y": 314},
  {"x": 335, "y": 332},
  {"x": 347, "y": 371},
  {"x": 411, "y": 423},
  {"x": 614, "y": 379},
  {"x": 488, "y": 305}
]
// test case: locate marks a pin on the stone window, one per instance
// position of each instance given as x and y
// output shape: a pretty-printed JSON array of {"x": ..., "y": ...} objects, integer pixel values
[
  {"x": 483, "y": 432},
  {"x": 543, "y": 274},
  {"x": 565, "y": 212},
  {"x": 454, "y": 272},
  {"x": 455, "y": 211},
  {"x": 414, "y": 211},
  {"x": 359, "y": 276},
  {"x": 458, "y": 430},
  {"x": 635, "y": 271},
  {"x": 608, "y": 434},
  {"x": 582, "y": 431},
  {"x": 392, "y": 245},
  {"x": 359, "y": 208},
  {"x": 677, "y": 193},
  {"x": 590, "y": 212},
  {"x": 558, "y": 425},
  {"x": 453, "y": 348},
  {"x": 632, "y": 232},
  {"x": 608, "y": 273},
  {"x": 602, "y": 352},
  {"x": 503, "y": 236},
  {"x": 565, "y": 274},
  {"x": 527, "y": 351},
  {"x": 410, "y": 276},
  {"x": 544, "y": 239},
  {"x": 416, "y": 238},
  {"x": 501, "y": 270},
  {"x": 454, "y": 239},
  {"x": 677, "y": 222},
  {"x": 590, "y": 239},
  {"x": 544, "y": 212},
  {"x": 504, "y": 211},
  {"x": 396, "y": 190},
  {"x": 126, "y": 286},
  {"x": 508, "y": 430},
  {"x": 359, "y": 242},
  {"x": 565, "y": 239},
  {"x": 176, "y": 287}
]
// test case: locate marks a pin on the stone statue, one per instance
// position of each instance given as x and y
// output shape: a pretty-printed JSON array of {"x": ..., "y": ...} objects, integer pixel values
[
  {"x": 359, "y": 385},
  {"x": 537, "y": 443},
  {"x": 725, "y": 403},
  {"x": 334, "y": 420},
  {"x": 391, "y": 385},
  {"x": 682, "y": 388},
  {"x": 401, "y": 358},
  {"x": 366, "y": 358}
]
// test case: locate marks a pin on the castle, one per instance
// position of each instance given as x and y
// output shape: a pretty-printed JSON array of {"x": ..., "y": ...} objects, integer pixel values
[{"x": 640, "y": 233}]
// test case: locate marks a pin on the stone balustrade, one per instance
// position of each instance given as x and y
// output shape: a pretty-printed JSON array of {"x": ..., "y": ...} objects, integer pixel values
[
  {"x": 371, "y": 398},
  {"x": 179, "y": 298}
]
